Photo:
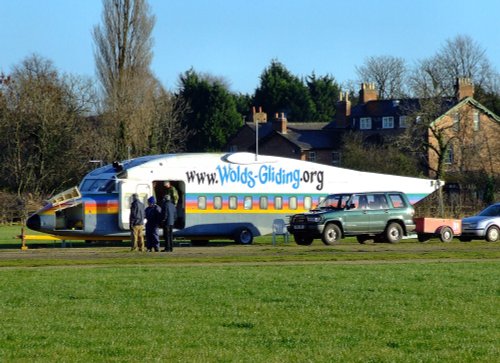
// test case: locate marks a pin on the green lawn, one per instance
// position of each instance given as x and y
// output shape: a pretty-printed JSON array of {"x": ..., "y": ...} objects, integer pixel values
[{"x": 408, "y": 302}]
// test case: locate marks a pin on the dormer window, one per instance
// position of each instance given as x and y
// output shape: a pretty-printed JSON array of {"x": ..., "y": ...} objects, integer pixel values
[
  {"x": 365, "y": 123},
  {"x": 388, "y": 122}
]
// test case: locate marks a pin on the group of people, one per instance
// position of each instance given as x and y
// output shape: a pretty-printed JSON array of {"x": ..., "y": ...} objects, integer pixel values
[{"x": 156, "y": 216}]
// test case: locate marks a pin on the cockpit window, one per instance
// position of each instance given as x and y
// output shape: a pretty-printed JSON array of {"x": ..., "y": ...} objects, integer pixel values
[{"x": 98, "y": 185}]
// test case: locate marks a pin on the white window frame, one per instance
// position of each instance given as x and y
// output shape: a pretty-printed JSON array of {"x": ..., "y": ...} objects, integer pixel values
[
  {"x": 388, "y": 122},
  {"x": 403, "y": 122},
  {"x": 365, "y": 123},
  {"x": 476, "y": 121}
]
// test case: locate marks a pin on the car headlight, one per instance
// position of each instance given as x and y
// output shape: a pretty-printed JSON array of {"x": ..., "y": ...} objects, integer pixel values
[{"x": 314, "y": 219}]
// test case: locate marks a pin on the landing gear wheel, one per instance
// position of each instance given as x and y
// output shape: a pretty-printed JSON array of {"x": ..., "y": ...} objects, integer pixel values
[
  {"x": 331, "y": 234},
  {"x": 492, "y": 234},
  {"x": 303, "y": 240},
  {"x": 394, "y": 232},
  {"x": 446, "y": 234},
  {"x": 244, "y": 236}
]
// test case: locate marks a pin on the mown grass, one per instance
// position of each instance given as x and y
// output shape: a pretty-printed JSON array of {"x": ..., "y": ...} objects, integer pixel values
[
  {"x": 435, "y": 312},
  {"x": 409, "y": 302}
]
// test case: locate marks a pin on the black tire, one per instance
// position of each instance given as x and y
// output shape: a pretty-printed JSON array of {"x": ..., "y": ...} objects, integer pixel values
[
  {"x": 303, "y": 240},
  {"x": 492, "y": 234},
  {"x": 423, "y": 237},
  {"x": 244, "y": 237},
  {"x": 331, "y": 234},
  {"x": 364, "y": 239},
  {"x": 446, "y": 234},
  {"x": 393, "y": 232}
]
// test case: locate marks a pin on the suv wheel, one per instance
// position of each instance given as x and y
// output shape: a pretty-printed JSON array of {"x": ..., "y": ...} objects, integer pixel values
[
  {"x": 302, "y": 240},
  {"x": 492, "y": 234},
  {"x": 393, "y": 232},
  {"x": 331, "y": 234}
]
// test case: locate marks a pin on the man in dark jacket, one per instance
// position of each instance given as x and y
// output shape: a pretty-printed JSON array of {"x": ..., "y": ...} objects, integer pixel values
[
  {"x": 137, "y": 223},
  {"x": 168, "y": 213},
  {"x": 153, "y": 220}
]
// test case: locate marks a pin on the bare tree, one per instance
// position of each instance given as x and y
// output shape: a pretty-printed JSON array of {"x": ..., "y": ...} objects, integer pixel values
[
  {"x": 459, "y": 57},
  {"x": 123, "y": 53},
  {"x": 387, "y": 72}
]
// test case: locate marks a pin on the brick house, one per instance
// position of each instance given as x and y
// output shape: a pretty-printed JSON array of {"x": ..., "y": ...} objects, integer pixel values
[
  {"x": 471, "y": 128},
  {"x": 312, "y": 141}
]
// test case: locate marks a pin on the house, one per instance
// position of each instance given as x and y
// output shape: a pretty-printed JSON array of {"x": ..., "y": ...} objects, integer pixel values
[
  {"x": 311, "y": 141},
  {"x": 469, "y": 130}
]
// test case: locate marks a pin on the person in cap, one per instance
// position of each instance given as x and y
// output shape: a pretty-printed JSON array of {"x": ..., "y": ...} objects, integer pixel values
[
  {"x": 153, "y": 220},
  {"x": 168, "y": 213},
  {"x": 136, "y": 223}
]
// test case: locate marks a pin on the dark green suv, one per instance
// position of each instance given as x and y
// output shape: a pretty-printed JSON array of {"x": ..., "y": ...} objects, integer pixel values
[{"x": 372, "y": 216}]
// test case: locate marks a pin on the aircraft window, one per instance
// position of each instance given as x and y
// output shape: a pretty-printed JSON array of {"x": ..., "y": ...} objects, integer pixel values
[
  {"x": 278, "y": 202},
  {"x": 307, "y": 202},
  {"x": 292, "y": 202},
  {"x": 233, "y": 202},
  {"x": 263, "y": 203},
  {"x": 217, "y": 202},
  {"x": 98, "y": 185},
  {"x": 202, "y": 202},
  {"x": 247, "y": 204}
]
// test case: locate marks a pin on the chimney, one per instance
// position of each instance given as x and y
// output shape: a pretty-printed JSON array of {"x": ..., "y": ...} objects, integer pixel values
[
  {"x": 280, "y": 123},
  {"x": 464, "y": 88},
  {"x": 343, "y": 110},
  {"x": 258, "y": 117},
  {"x": 367, "y": 93}
]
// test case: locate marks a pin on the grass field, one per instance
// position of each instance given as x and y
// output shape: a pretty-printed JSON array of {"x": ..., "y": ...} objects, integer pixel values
[{"x": 409, "y": 302}]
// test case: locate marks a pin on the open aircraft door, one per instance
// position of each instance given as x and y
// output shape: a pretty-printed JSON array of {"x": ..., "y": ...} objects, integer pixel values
[{"x": 127, "y": 188}]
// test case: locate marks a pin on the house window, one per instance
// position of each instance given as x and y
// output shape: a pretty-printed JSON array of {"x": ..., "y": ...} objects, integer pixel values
[
  {"x": 450, "y": 155},
  {"x": 388, "y": 122},
  {"x": 335, "y": 158},
  {"x": 475, "y": 121},
  {"x": 402, "y": 122},
  {"x": 311, "y": 156},
  {"x": 456, "y": 122},
  {"x": 365, "y": 123}
]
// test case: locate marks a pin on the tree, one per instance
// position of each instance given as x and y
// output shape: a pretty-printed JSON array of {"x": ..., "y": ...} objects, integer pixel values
[
  {"x": 280, "y": 91},
  {"x": 387, "y": 72},
  {"x": 211, "y": 115},
  {"x": 387, "y": 158},
  {"x": 324, "y": 92},
  {"x": 123, "y": 54},
  {"x": 43, "y": 128},
  {"x": 458, "y": 57}
]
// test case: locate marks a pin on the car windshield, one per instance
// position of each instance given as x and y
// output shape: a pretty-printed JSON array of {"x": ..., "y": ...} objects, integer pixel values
[
  {"x": 335, "y": 201},
  {"x": 491, "y": 211}
]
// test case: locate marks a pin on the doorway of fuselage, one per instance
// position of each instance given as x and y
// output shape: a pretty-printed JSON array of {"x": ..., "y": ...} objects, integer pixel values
[{"x": 159, "y": 193}]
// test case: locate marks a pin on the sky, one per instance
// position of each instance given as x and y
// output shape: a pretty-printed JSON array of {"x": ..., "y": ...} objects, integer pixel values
[{"x": 238, "y": 39}]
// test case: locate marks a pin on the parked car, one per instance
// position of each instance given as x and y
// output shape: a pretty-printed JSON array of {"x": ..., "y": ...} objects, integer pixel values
[
  {"x": 484, "y": 225},
  {"x": 378, "y": 216}
]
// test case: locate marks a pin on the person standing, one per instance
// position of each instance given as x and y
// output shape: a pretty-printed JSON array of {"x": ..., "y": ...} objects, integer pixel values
[
  {"x": 137, "y": 223},
  {"x": 172, "y": 191},
  {"x": 153, "y": 219},
  {"x": 168, "y": 213}
]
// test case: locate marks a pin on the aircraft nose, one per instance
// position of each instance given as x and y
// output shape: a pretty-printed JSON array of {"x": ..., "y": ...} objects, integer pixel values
[{"x": 33, "y": 222}]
